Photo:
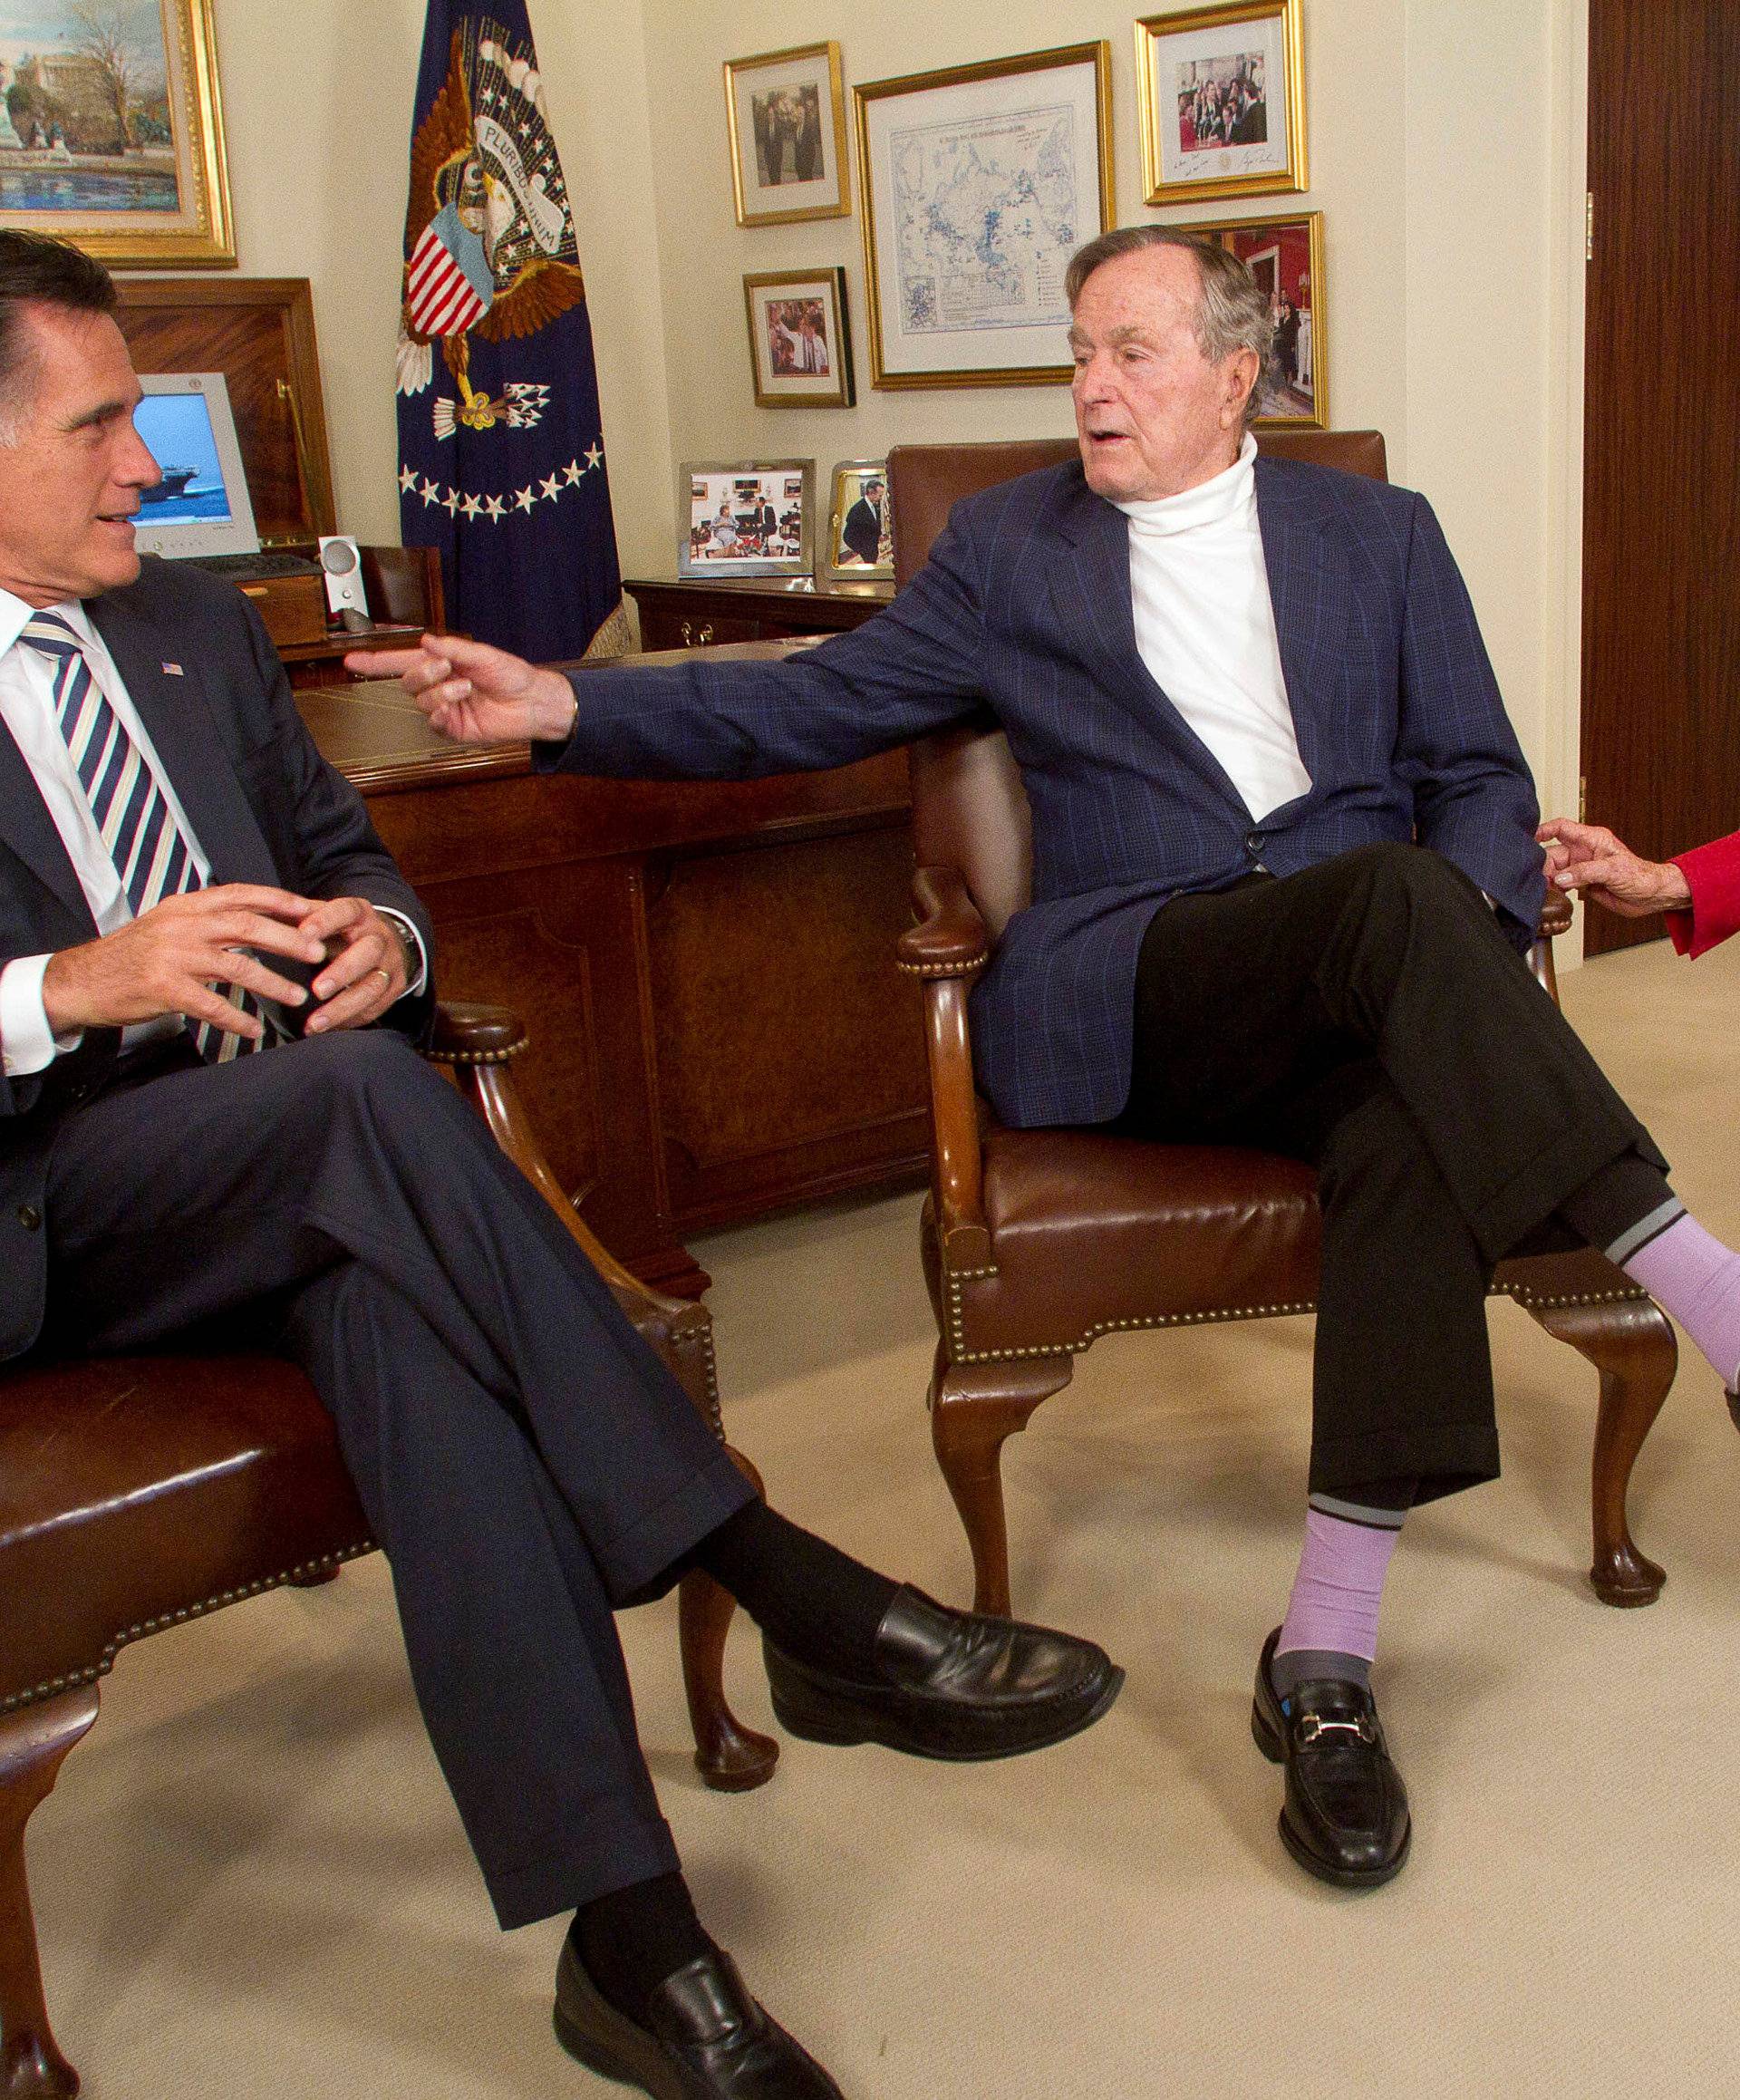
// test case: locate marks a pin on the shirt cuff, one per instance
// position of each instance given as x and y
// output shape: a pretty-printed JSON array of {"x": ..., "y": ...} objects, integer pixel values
[
  {"x": 27, "y": 1043},
  {"x": 414, "y": 949}
]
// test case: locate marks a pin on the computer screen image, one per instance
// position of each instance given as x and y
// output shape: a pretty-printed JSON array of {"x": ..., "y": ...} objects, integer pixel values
[{"x": 201, "y": 505}]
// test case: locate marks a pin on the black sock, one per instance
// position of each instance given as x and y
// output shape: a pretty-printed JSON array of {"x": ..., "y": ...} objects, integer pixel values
[
  {"x": 1623, "y": 1206},
  {"x": 813, "y": 1601},
  {"x": 630, "y": 1940}
]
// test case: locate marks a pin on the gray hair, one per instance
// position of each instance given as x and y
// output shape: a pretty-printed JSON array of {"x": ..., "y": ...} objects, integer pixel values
[
  {"x": 37, "y": 271},
  {"x": 1231, "y": 313}
]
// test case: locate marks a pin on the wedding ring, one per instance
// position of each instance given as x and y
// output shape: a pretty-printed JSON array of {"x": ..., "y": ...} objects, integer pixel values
[{"x": 384, "y": 975}]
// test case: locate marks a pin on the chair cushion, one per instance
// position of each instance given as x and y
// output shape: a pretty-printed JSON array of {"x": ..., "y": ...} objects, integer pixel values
[
  {"x": 136, "y": 1491},
  {"x": 1090, "y": 1233}
]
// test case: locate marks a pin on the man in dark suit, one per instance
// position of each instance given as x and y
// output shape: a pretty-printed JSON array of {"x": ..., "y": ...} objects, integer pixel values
[
  {"x": 1283, "y": 870},
  {"x": 862, "y": 531},
  {"x": 186, "y": 885}
]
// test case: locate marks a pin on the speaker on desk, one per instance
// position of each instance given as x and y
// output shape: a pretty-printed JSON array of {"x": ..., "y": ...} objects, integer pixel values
[{"x": 343, "y": 563}]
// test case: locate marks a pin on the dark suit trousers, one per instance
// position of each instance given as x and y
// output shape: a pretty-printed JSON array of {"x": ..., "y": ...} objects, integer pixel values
[
  {"x": 1368, "y": 1016},
  {"x": 526, "y": 1462}
]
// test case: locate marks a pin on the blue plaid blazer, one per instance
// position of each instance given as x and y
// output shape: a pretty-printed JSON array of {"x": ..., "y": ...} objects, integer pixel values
[{"x": 1025, "y": 607}]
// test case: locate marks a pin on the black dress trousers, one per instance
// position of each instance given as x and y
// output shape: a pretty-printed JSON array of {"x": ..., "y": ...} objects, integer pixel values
[
  {"x": 1368, "y": 1016},
  {"x": 525, "y": 1459}
]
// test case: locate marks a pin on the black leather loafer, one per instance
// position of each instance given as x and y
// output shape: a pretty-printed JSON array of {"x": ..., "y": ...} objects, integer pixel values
[
  {"x": 954, "y": 1685},
  {"x": 706, "y": 2038},
  {"x": 1345, "y": 1816}
]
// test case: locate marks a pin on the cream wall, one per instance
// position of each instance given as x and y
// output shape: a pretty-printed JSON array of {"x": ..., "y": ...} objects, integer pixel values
[{"x": 1445, "y": 150}]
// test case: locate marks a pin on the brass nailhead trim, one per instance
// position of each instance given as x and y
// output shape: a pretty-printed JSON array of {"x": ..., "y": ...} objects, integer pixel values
[
  {"x": 498, "y": 1057},
  {"x": 939, "y": 969},
  {"x": 960, "y": 1353},
  {"x": 53, "y": 1686}
]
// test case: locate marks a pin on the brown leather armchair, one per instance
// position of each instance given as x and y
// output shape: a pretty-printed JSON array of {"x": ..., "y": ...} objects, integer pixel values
[
  {"x": 137, "y": 1492},
  {"x": 1037, "y": 1242}
]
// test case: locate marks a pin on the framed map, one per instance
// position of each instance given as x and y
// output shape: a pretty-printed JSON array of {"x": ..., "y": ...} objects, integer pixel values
[
  {"x": 111, "y": 134},
  {"x": 978, "y": 185}
]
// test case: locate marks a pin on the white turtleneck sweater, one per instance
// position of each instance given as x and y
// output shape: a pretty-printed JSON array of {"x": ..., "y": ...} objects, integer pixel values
[{"x": 1205, "y": 629}]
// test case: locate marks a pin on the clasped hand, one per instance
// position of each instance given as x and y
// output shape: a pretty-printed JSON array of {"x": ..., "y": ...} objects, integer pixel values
[
  {"x": 169, "y": 958},
  {"x": 1602, "y": 869}
]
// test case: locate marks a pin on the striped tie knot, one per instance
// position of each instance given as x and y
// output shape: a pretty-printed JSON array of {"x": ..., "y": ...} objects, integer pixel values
[{"x": 52, "y": 634}]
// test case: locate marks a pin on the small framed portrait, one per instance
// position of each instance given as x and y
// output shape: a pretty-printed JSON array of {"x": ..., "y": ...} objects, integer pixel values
[
  {"x": 786, "y": 110},
  {"x": 860, "y": 530},
  {"x": 1221, "y": 96},
  {"x": 746, "y": 518},
  {"x": 800, "y": 345},
  {"x": 1286, "y": 258}
]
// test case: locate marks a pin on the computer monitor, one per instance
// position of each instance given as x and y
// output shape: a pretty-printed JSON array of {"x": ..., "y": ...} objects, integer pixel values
[{"x": 201, "y": 505}]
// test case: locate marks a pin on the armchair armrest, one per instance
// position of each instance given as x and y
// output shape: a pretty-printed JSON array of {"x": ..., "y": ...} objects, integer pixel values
[
  {"x": 948, "y": 948},
  {"x": 950, "y": 938},
  {"x": 478, "y": 1043},
  {"x": 1555, "y": 919}
]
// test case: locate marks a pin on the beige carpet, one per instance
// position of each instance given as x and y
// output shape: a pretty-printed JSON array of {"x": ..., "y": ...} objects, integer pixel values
[{"x": 250, "y": 1882}]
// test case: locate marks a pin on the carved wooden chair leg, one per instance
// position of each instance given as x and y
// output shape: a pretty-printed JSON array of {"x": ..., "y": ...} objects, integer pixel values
[
  {"x": 32, "y": 1742},
  {"x": 975, "y": 1408},
  {"x": 1630, "y": 1341},
  {"x": 729, "y": 1756}
]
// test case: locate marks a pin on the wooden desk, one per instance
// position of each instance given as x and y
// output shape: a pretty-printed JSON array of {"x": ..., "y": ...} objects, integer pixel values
[{"x": 707, "y": 968}]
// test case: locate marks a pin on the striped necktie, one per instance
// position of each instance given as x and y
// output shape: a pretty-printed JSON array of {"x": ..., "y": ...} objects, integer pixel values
[{"x": 131, "y": 810}]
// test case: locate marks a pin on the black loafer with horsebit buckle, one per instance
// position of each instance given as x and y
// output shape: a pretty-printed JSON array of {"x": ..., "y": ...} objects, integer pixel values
[{"x": 1345, "y": 1815}]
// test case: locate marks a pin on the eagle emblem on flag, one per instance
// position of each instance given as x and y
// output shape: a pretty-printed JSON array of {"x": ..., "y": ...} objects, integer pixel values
[{"x": 490, "y": 245}]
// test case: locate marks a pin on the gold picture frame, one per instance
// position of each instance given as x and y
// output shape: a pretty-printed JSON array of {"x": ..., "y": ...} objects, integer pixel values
[
  {"x": 746, "y": 518},
  {"x": 776, "y": 97},
  {"x": 844, "y": 559},
  {"x": 800, "y": 339},
  {"x": 1286, "y": 267},
  {"x": 993, "y": 109},
  {"x": 78, "y": 160},
  {"x": 1213, "y": 87}
]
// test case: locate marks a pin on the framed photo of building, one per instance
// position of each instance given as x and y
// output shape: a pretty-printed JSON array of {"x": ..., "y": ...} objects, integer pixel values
[
  {"x": 111, "y": 133},
  {"x": 860, "y": 527},
  {"x": 801, "y": 346},
  {"x": 1221, "y": 93},
  {"x": 785, "y": 113},
  {"x": 738, "y": 517},
  {"x": 1286, "y": 258},
  {"x": 978, "y": 185}
]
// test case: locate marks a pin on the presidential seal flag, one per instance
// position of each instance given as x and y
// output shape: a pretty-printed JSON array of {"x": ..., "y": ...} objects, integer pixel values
[{"x": 501, "y": 455}]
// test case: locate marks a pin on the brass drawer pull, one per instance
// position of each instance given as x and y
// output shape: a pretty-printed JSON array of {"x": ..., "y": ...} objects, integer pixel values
[{"x": 691, "y": 639}]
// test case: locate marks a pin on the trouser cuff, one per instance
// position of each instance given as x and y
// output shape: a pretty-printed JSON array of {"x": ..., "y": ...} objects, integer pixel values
[
  {"x": 601, "y": 1860},
  {"x": 1447, "y": 1457},
  {"x": 642, "y": 1562}
]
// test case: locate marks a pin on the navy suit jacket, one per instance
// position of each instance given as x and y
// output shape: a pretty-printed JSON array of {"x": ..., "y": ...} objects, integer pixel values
[
  {"x": 266, "y": 806},
  {"x": 1024, "y": 607}
]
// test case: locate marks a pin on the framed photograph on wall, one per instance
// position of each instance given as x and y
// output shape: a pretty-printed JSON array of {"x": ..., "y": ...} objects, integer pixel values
[
  {"x": 1286, "y": 258},
  {"x": 801, "y": 346},
  {"x": 860, "y": 528},
  {"x": 785, "y": 112},
  {"x": 111, "y": 132},
  {"x": 1221, "y": 93},
  {"x": 746, "y": 518},
  {"x": 978, "y": 184}
]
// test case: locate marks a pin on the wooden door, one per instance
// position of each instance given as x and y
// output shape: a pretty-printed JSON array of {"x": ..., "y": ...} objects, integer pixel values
[{"x": 1662, "y": 453}]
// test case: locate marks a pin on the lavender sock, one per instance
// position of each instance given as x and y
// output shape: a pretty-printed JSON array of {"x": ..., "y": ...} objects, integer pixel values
[
  {"x": 1691, "y": 1274},
  {"x": 1332, "y": 1614}
]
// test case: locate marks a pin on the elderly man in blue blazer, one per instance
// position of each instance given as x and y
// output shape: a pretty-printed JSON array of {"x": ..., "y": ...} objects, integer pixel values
[{"x": 1284, "y": 871}]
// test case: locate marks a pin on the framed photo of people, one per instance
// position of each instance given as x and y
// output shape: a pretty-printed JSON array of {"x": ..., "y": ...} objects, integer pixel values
[
  {"x": 860, "y": 528},
  {"x": 977, "y": 186},
  {"x": 1221, "y": 94},
  {"x": 786, "y": 113},
  {"x": 111, "y": 131},
  {"x": 801, "y": 346},
  {"x": 752, "y": 518},
  {"x": 1286, "y": 258}
]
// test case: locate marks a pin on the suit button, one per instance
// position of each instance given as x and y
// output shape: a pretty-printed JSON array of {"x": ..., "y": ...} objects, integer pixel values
[
  {"x": 1254, "y": 843},
  {"x": 30, "y": 1218}
]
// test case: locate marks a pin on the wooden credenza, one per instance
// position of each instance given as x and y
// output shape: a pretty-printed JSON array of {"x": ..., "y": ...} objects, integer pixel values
[
  {"x": 707, "y": 968},
  {"x": 696, "y": 613}
]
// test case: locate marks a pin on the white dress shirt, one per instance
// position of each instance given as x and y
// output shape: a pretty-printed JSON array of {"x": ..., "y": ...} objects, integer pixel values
[
  {"x": 1205, "y": 629},
  {"x": 27, "y": 1042}
]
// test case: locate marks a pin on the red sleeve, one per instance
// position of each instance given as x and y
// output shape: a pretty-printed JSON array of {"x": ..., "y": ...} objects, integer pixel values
[{"x": 1712, "y": 875}]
